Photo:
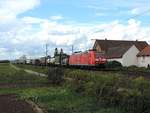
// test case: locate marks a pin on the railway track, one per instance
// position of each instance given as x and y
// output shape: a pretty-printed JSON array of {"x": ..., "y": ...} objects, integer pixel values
[{"x": 130, "y": 73}]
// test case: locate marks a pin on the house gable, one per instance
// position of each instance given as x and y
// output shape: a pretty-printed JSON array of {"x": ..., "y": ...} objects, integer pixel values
[
  {"x": 97, "y": 47},
  {"x": 130, "y": 56},
  {"x": 126, "y": 56}
]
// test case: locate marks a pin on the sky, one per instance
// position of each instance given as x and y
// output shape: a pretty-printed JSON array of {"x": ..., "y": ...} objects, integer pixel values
[{"x": 26, "y": 26}]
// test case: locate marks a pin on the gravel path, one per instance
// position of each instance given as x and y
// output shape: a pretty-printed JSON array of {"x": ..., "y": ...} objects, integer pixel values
[{"x": 29, "y": 71}]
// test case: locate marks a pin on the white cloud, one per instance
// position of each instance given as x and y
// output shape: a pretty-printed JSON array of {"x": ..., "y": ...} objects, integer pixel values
[
  {"x": 27, "y": 39},
  {"x": 66, "y": 35},
  {"x": 28, "y": 35},
  {"x": 9, "y": 9}
]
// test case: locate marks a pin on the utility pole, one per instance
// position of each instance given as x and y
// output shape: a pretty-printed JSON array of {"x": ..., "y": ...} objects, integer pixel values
[
  {"x": 46, "y": 53},
  {"x": 72, "y": 49}
]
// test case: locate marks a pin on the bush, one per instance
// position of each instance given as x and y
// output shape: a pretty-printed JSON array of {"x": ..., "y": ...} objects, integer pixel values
[
  {"x": 113, "y": 64},
  {"x": 80, "y": 78},
  {"x": 112, "y": 90},
  {"x": 103, "y": 88},
  {"x": 133, "y": 101},
  {"x": 56, "y": 75}
]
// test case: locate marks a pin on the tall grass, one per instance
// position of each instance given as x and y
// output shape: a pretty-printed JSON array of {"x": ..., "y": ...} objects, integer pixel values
[{"x": 113, "y": 90}]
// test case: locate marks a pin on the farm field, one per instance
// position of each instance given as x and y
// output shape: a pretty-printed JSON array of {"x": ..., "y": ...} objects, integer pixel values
[
  {"x": 84, "y": 92},
  {"x": 58, "y": 99},
  {"x": 12, "y": 79},
  {"x": 9, "y": 77}
]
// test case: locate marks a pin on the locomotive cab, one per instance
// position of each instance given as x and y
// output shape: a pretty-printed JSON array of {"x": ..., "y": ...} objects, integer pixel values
[
  {"x": 100, "y": 58},
  {"x": 97, "y": 58}
]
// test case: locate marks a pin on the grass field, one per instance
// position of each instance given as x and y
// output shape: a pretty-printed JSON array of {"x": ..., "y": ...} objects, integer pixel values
[
  {"x": 60, "y": 100},
  {"x": 8, "y": 75},
  {"x": 57, "y": 99},
  {"x": 66, "y": 98}
]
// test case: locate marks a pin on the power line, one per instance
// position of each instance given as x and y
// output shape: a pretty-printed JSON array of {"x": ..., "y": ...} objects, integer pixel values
[{"x": 138, "y": 15}]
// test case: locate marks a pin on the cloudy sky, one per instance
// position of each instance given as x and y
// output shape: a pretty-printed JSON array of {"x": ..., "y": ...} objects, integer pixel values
[{"x": 27, "y": 25}]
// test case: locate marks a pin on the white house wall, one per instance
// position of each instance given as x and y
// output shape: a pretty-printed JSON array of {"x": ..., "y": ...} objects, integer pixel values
[
  {"x": 130, "y": 57},
  {"x": 143, "y": 61}
]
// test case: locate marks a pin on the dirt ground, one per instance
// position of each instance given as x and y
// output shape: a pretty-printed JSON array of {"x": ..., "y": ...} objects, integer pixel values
[{"x": 10, "y": 104}]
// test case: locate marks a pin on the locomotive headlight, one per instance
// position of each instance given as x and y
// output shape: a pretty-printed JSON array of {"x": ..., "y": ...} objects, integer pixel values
[
  {"x": 96, "y": 59},
  {"x": 104, "y": 59}
]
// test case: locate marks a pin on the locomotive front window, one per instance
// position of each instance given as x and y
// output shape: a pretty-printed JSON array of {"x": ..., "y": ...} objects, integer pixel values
[{"x": 99, "y": 55}]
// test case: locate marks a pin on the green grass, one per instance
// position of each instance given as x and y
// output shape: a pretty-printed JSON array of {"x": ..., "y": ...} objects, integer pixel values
[
  {"x": 60, "y": 100},
  {"x": 8, "y": 75},
  {"x": 106, "y": 86},
  {"x": 6, "y": 69},
  {"x": 113, "y": 89},
  {"x": 56, "y": 99}
]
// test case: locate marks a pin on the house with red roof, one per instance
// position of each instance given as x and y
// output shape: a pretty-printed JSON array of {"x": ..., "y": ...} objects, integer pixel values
[{"x": 122, "y": 51}]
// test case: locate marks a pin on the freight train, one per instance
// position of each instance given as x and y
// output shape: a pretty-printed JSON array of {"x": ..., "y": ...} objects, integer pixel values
[{"x": 90, "y": 58}]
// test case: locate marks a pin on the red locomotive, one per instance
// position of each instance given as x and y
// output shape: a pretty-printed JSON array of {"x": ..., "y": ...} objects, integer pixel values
[{"x": 88, "y": 58}]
